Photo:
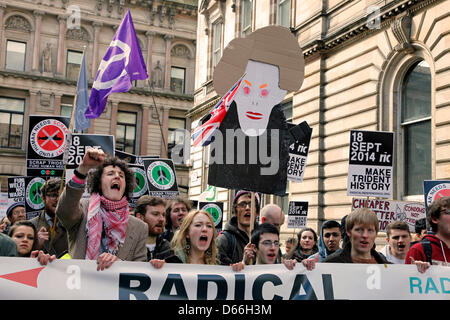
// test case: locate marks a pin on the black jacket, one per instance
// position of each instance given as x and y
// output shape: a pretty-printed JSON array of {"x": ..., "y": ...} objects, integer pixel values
[
  {"x": 231, "y": 251},
  {"x": 345, "y": 256},
  {"x": 162, "y": 251}
]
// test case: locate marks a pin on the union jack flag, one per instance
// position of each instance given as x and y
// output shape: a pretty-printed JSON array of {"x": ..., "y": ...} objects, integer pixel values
[{"x": 208, "y": 125}]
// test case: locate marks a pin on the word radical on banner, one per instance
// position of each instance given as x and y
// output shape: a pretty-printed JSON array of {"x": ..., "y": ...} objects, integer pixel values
[{"x": 79, "y": 279}]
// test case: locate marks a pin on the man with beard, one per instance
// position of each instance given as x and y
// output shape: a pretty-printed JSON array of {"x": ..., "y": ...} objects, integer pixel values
[
  {"x": 44, "y": 222},
  {"x": 152, "y": 211}
]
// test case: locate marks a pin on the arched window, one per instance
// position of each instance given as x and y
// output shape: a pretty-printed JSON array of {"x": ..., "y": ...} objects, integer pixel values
[{"x": 415, "y": 127}]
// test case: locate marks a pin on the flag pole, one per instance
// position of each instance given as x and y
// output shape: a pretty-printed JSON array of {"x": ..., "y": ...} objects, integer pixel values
[
  {"x": 157, "y": 113},
  {"x": 69, "y": 138}
]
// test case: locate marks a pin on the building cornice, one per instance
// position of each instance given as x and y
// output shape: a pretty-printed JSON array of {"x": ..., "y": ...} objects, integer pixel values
[
  {"x": 355, "y": 30},
  {"x": 140, "y": 91}
]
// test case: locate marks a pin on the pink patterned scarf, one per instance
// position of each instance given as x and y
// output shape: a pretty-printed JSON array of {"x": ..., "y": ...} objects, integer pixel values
[{"x": 114, "y": 216}]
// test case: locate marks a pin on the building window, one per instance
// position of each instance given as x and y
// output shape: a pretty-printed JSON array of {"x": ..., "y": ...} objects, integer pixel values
[
  {"x": 73, "y": 64},
  {"x": 177, "y": 79},
  {"x": 126, "y": 131},
  {"x": 11, "y": 122},
  {"x": 415, "y": 126},
  {"x": 177, "y": 128},
  {"x": 15, "y": 55},
  {"x": 246, "y": 17},
  {"x": 217, "y": 42},
  {"x": 284, "y": 13},
  {"x": 66, "y": 110}
]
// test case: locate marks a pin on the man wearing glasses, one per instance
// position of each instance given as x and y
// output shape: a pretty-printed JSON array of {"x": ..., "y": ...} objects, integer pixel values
[
  {"x": 263, "y": 249},
  {"x": 434, "y": 249},
  {"x": 16, "y": 212},
  {"x": 50, "y": 238},
  {"x": 235, "y": 235}
]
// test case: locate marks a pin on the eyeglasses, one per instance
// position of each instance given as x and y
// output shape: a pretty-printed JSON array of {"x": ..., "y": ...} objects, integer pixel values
[
  {"x": 269, "y": 244},
  {"x": 52, "y": 196},
  {"x": 329, "y": 234},
  {"x": 17, "y": 212},
  {"x": 244, "y": 204}
]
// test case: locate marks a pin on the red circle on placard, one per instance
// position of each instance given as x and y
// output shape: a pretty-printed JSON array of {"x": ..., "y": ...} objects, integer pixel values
[
  {"x": 50, "y": 138},
  {"x": 442, "y": 193}
]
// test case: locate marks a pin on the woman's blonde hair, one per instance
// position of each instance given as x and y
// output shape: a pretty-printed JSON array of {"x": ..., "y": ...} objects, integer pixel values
[{"x": 178, "y": 242}]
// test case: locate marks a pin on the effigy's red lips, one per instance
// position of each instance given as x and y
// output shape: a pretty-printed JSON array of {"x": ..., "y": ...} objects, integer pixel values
[{"x": 254, "y": 115}]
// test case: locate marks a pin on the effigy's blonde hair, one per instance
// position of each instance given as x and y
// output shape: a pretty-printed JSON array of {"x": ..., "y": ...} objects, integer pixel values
[
  {"x": 273, "y": 45},
  {"x": 178, "y": 242}
]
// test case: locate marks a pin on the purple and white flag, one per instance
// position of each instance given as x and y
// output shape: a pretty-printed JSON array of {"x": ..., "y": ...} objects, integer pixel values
[{"x": 122, "y": 64}]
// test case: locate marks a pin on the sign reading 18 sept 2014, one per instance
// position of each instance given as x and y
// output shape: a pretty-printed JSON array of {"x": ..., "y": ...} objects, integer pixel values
[{"x": 370, "y": 164}]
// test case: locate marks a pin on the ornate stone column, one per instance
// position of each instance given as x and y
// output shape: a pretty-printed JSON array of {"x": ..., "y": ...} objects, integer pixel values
[
  {"x": 150, "y": 35},
  {"x": 168, "y": 38},
  {"x": 97, "y": 27},
  {"x": 2, "y": 11},
  {"x": 57, "y": 104},
  {"x": 144, "y": 134},
  {"x": 33, "y": 101},
  {"x": 62, "y": 35},
  {"x": 37, "y": 39}
]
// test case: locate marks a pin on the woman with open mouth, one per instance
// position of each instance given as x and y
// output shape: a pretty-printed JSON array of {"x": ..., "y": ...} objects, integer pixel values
[
  {"x": 195, "y": 241},
  {"x": 101, "y": 227}
]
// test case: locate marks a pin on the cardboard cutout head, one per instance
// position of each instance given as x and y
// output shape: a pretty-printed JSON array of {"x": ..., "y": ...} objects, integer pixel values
[
  {"x": 272, "y": 45},
  {"x": 258, "y": 94}
]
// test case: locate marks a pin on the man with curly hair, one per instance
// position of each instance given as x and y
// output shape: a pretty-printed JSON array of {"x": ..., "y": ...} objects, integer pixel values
[{"x": 101, "y": 227}]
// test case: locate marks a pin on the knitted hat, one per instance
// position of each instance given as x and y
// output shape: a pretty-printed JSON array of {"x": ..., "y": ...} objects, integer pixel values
[
  {"x": 241, "y": 192},
  {"x": 9, "y": 211}
]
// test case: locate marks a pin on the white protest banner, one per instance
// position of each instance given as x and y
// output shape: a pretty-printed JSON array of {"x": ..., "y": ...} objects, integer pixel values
[
  {"x": 388, "y": 211},
  {"x": 297, "y": 214},
  {"x": 371, "y": 158},
  {"x": 23, "y": 278}
]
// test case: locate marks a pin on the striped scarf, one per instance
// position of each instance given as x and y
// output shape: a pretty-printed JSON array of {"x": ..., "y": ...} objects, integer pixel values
[{"x": 114, "y": 216}]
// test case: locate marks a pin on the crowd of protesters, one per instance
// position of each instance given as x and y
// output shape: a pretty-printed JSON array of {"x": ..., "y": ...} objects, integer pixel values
[{"x": 103, "y": 228}]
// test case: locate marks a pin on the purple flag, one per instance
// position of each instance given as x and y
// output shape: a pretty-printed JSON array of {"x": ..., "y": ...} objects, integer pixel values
[{"x": 122, "y": 64}]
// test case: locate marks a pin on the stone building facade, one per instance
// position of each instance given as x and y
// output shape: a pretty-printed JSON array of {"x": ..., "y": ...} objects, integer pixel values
[
  {"x": 378, "y": 65},
  {"x": 42, "y": 43}
]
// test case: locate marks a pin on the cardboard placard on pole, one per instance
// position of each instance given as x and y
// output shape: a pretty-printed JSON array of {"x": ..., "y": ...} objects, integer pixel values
[
  {"x": 161, "y": 177},
  {"x": 297, "y": 214},
  {"x": 48, "y": 139},
  {"x": 371, "y": 158}
]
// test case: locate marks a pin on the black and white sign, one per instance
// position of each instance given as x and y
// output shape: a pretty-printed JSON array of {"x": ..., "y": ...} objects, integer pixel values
[
  {"x": 141, "y": 183},
  {"x": 371, "y": 159},
  {"x": 298, "y": 153},
  {"x": 297, "y": 214},
  {"x": 46, "y": 145},
  {"x": 33, "y": 200},
  {"x": 161, "y": 177},
  {"x": 215, "y": 210},
  {"x": 16, "y": 189}
]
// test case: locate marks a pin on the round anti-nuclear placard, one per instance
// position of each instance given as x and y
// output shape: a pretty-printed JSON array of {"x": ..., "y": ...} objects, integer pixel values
[
  {"x": 438, "y": 191},
  {"x": 33, "y": 196},
  {"x": 161, "y": 175},
  {"x": 141, "y": 182},
  {"x": 48, "y": 138},
  {"x": 214, "y": 211}
]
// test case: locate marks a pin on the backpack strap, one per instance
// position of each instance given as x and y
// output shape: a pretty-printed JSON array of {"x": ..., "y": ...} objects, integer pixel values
[{"x": 426, "y": 245}]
